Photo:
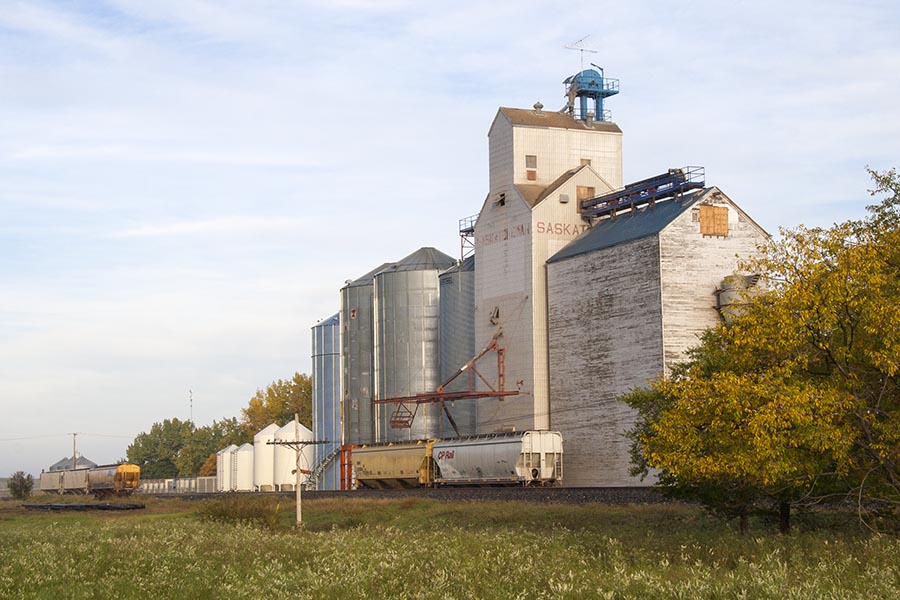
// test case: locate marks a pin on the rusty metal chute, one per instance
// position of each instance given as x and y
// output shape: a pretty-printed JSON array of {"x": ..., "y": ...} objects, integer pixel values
[{"x": 406, "y": 406}]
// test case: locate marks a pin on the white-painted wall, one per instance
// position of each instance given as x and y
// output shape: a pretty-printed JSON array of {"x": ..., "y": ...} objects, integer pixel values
[
  {"x": 512, "y": 243},
  {"x": 621, "y": 316}
]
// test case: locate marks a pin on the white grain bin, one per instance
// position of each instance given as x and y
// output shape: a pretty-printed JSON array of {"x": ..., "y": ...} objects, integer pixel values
[
  {"x": 285, "y": 457},
  {"x": 264, "y": 459},
  {"x": 223, "y": 468},
  {"x": 242, "y": 469}
]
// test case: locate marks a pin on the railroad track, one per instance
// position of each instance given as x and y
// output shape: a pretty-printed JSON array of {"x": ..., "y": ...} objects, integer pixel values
[{"x": 549, "y": 495}]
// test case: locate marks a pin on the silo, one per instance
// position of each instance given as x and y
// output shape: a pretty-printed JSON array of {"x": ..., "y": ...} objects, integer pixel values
[
  {"x": 223, "y": 468},
  {"x": 285, "y": 457},
  {"x": 242, "y": 468},
  {"x": 357, "y": 356},
  {"x": 326, "y": 408},
  {"x": 264, "y": 459},
  {"x": 458, "y": 341},
  {"x": 407, "y": 340}
]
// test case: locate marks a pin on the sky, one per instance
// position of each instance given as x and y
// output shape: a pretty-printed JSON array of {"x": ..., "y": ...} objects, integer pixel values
[{"x": 185, "y": 185}]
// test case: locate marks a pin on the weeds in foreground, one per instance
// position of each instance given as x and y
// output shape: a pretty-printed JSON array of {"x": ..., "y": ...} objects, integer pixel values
[
  {"x": 244, "y": 509},
  {"x": 423, "y": 549}
]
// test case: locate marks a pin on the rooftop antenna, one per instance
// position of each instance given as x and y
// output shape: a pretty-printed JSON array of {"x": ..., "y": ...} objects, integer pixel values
[
  {"x": 191, "y": 396},
  {"x": 579, "y": 45}
]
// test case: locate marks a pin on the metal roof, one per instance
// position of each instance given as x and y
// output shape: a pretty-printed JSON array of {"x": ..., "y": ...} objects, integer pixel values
[
  {"x": 66, "y": 463},
  {"x": 628, "y": 227},
  {"x": 423, "y": 259},
  {"x": 533, "y": 118},
  {"x": 368, "y": 277},
  {"x": 467, "y": 264},
  {"x": 334, "y": 319},
  {"x": 535, "y": 194}
]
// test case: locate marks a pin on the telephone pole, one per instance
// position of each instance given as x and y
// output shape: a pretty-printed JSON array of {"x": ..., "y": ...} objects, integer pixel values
[{"x": 297, "y": 445}]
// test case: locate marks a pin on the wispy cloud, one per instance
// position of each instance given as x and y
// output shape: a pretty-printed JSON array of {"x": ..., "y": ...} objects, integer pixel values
[
  {"x": 224, "y": 225},
  {"x": 122, "y": 152}
]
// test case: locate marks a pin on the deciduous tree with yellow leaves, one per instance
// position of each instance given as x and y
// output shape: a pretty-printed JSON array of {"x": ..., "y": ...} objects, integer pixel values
[
  {"x": 278, "y": 403},
  {"x": 798, "y": 396}
]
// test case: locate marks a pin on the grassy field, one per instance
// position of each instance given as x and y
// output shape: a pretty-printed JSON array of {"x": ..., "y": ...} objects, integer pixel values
[{"x": 422, "y": 549}]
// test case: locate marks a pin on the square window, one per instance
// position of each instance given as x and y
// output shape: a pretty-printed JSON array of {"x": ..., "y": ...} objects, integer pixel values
[
  {"x": 563, "y": 198},
  {"x": 530, "y": 161},
  {"x": 713, "y": 220}
]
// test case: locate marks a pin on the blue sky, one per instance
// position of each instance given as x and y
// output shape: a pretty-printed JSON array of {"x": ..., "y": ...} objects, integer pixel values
[{"x": 185, "y": 185}]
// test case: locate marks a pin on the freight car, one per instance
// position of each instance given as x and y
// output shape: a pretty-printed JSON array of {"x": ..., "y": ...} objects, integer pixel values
[
  {"x": 522, "y": 458},
  {"x": 103, "y": 480}
]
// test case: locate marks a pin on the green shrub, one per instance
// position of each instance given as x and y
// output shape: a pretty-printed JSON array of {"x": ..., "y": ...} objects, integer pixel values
[
  {"x": 20, "y": 485},
  {"x": 242, "y": 508}
]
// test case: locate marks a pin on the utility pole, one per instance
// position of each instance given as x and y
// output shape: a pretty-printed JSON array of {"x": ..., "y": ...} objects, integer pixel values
[
  {"x": 297, "y": 445},
  {"x": 191, "y": 395},
  {"x": 74, "y": 454},
  {"x": 297, "y": 469}
]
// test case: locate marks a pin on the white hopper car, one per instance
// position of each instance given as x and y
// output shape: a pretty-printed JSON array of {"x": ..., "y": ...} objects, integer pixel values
[
  {"x": 520, "y": 458},
  {"x": 525, "y": 458}
]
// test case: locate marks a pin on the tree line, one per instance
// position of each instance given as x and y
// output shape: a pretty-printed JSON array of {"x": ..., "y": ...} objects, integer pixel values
[
  {"x": 176, "y": 448},
  {"x": 795, "y": 400}
]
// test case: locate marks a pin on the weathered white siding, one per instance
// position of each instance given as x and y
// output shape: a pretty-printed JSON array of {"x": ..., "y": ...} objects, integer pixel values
[
  {"x": 503, "y": 280},
  {"x": 513, "y": 242},
  {"x": 693, "y": 266},
  {"x": 554, "y": 225},
  {"x": 619, "y": 317},
  {"x": 605, "y": 324},
  {"x": 559, "y": 150}
]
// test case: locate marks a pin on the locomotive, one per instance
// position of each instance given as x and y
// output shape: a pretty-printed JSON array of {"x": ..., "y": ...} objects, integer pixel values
[
  {"x": 520, "y": 458},
  {"x": 102, "y": 480}
]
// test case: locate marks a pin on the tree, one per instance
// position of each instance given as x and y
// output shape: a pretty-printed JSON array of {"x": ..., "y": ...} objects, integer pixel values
[
  {"x": 278, "y": 403},
  {"x": 210, "y": 466},
  {"x": 177, "y": 448},
  {"x": 156, "y": 451},
  {"x": 799, "y": 395},
  {"x": 20, "y": 485}
]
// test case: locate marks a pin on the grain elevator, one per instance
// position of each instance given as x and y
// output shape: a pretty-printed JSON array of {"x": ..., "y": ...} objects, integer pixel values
[{"x": 586, "y": 288}]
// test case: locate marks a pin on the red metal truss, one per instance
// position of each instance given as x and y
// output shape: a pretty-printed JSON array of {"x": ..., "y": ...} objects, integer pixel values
[{"x": 403, "y": 415}]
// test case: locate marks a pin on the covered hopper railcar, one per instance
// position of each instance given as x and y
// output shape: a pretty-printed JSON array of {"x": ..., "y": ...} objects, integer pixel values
[
  {"x": 103, "y": 480},
  {"x": 521, "y": 458}
]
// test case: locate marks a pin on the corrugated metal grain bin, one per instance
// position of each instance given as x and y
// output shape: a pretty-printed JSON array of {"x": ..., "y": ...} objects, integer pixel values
[
  {"x": 326, "y": 408},
  {"x": 357, "y": 356},
  {"x": 285, "y": 457},
  {"x": 458, "y": 342},
  {"x": 242, "y": 468},
  {"x": 223, "y": 468},
  {"x": 264, "y": 459},
  {"x": 407, "y": 340}
]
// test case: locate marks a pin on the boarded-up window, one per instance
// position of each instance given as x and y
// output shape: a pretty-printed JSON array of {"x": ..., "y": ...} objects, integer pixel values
[
  {"x": 584, "y": 192},
  {"x": 530, "y": 161},
  {"x": 713, "y": 220},
  {"x": 531, "y": 174}
]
